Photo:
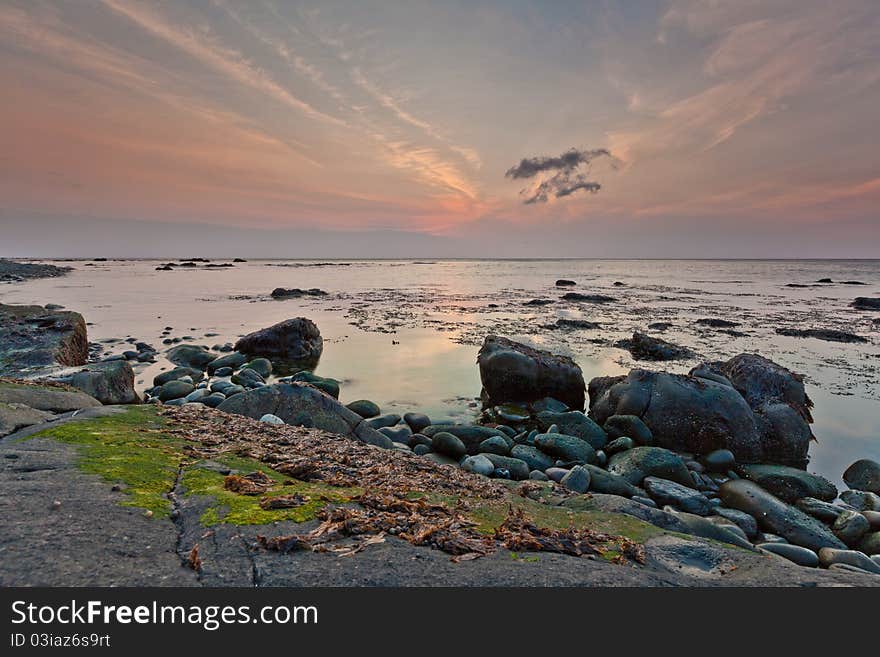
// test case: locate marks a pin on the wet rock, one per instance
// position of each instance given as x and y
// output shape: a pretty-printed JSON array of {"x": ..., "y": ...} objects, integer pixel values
[
  {"x": 214, "y": 399},
  {"x": 619, "y": 445},
  {"x": 870, "y": 543},
  {"x": 478, "y": 464},
  {"x": 295, "y": 293},
  {"x": 866, "y": 303},
  {"x": 646, "y": 347},
  {"x": 387, "y": 420},
  {"x": 863, "y": 475},
  {"x": 776, "y": 516},
  {"x": 365, "y": 408},
  {"x": 109, "y": 382},
  {"x": 517, "y": 468},
  {"x": 417, "y": 421},
  {"x": 789, "y": 484},
  {"x": 566, "y": 448},
  {"x": 716, "y": 323},
  {"x": 720, "y": 460},
  {"x": 861, "y": 500},
  {"x": 325, "y": 384},
  {"x": 762, "y": 416},
  {"x": 536, "y": 459},
  {"x": 577, "y": 480},
  {"x": 233, "y": 360},
  {"x": 470, "y": 435},
  {"x": 640, "y": 462},
  {"x": 742, "y": 520},
  {"x": 175, "y": 390},
  {"x": 823, "y": 511},
  {"x": 564, "y": 282},
  {"x": 568, "y": 323},
  {"x": 587, "y": 298},
  {"x": 850, "y": 527},
  {"x": 263, "y": 367},
  {"x": 687, "y": 499},
  {"x": 291, "y": 345},
  {"x": 494, "y": 445},
  {"x": 574, "y": 423},
  {"x": 794, "y": 553},
  {"x": 829, "y": 335},
  {"x": 445, "y": 443},
  {"x": 33, "y": 339},
  {"x": 514, "y": 372},
  {"x": 189, "y": 355},
  {"x": 247, "y": 378},
  {"x": 632, "y": 426},
  {"x": 831, "y": 556}
]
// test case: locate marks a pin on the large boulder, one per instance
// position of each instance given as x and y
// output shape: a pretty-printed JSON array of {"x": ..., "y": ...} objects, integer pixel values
[
  {"x": 749, "y": 405},
  {"x": 291, "y": 345},
  {"x": 514, "y": 372},
  {"x": 303, "y": 405},
  {"x": 190, "y": 355},
  {"x": 34, "y": 339},
  {"x": 639, "y": 462},
  {"x": 110, "y": 382}
]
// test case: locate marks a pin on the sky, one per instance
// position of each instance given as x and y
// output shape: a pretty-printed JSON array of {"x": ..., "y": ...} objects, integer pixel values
[{"x": 514, "y": 128}]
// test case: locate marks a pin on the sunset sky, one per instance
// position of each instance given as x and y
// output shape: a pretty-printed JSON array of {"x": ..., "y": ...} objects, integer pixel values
[{"x": 733, "y": 129}]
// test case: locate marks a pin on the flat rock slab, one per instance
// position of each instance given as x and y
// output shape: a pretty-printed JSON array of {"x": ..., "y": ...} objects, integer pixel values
[{"x": 55, "y": 400}]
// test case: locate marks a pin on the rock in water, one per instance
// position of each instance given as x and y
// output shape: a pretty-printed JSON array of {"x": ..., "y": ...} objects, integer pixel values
[
  {"x": 866, "y": 303},
  {"x": 774, "y": 515},
  {"x": 864, "y": 474},
  {"x": 514, "y": 372},
  {"x": 34, "y": 339},
  {"x": 789, "y": 484},
  {"x": 645, "y": 347},
  {"x": 749, "y": 405},
  {"x": 294, "y": 344},
  {"x": 110, "y": 382}
]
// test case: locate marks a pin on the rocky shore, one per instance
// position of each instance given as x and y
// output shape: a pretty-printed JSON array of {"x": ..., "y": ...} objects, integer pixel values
[
  {"x": 712, "y": 463},
  {"x": 12, "y": 271}
]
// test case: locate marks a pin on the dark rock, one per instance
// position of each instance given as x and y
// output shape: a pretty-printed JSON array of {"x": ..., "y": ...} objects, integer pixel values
[
  {"x": 794, "y": 553},
  {"x": 564, "y": 282},
  {"x": 417, "y": 421},
  {"x": 829, "y": 556},
  {"x": 387, "y": 420},
  {"x": 776, "y": 516},
  {"x": 619, "y": 445},
  {"x": 720, "y": 460},
  {"x": 247, "y": 378},
  {"x": 850, "y": 526},
  {"x": 294, "y": 293},
  {"x": 639, "y": 462},
  {"x": 823, "y": 511},
  {"x": 470, "y": 435},
  {"x": 291, "y": 345},
  {"x": 517, "y": 468},
  {"x": 567, "y": 323},
  {"x": 864, "y": 475},
  {"x": 716, "y": 323},
  {"x": 175, "y": 390},
  {"x": 536, "y": 459},
  {"x": 234, "y": 360},
  {"x": 602, "y": 481},
  {"x": 646, "y": 347},
  {"x": 214, "y": 399},
  {"x": 401, "y": 434},
  {"x": 445, "y": 443},
  {"x": 866, "y": 303},
  {"x": 705, "y": 528},
  {"x": 494, "y": 445},
  {"x": 514, "y": 372},
  {"x": 789, "y": 484},
  {"x": 577, "y": 480},
  {"x": 742, "y": 520},
  {"x": 587, "y": 298},
  {"x": 870, "y": 543},
  {"x": 861, "y": 500},
  {"x": 567, "y": 448},
  {"x": 33, "y": 339},
  {"x": 188, "y": 355},
  {"x": 325, "y": 384},
  {"x": 538, "y": 302},
  {"x": 574, "y": 423},
  {"x": 687, "y": 499},
  {"x": 632, "y": 426},
  {"x": 108, "y": 382},
  {"x": 365, "y": 408},
  {"x": 829, "y": 335}
]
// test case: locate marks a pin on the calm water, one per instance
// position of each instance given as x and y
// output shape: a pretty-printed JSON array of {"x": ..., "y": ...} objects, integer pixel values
[{"x": 405, "y": 333}]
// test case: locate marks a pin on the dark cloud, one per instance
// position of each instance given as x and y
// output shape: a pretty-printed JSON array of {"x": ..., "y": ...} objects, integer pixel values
[{"x": 569, "y": 174}]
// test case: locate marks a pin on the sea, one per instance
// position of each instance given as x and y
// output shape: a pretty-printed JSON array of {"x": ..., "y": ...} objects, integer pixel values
[{"x": 405, "y": 333}]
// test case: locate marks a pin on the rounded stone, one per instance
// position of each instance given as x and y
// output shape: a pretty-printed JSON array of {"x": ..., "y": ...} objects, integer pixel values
[
  {"x": 850, "y": 526},
  {"x": 577, "y": 479},
  {"x": 365, "y": 408},
  {"x": 864, "y": 475},
  {"x": 446, "y": 443},
  {"x": 268, "y": 418},
  {"x": 794, "y": 553},
  {"x": 720, "y": 460},
  {"x": 478, "y": 464},
  {"x": 175, "y": 390}
]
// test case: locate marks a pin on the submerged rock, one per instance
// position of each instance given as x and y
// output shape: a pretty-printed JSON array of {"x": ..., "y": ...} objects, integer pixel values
[
  {"x": 293, "y": 344},
  {"x": 829, "y": 335},
  {"x": 514, "y": 372},
  {"x": 645, "y": 347}
]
